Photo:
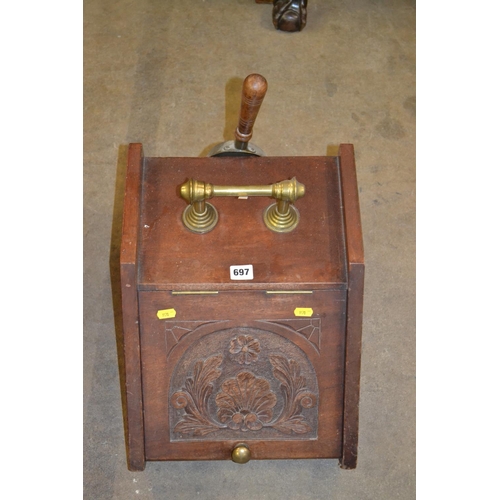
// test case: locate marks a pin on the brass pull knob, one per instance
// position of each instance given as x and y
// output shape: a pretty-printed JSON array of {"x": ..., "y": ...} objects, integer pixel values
[
  {"x": 201, "y": 217},
  {"x": 241, "y": 454}
]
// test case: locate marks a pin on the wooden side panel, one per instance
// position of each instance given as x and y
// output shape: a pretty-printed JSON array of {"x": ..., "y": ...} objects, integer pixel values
[
  {"x": 128, "y": 273},
  {"x": 356, "y": 269}
]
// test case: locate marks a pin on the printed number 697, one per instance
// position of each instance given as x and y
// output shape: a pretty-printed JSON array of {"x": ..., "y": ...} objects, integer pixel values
[{"x": 241, "y": 272}]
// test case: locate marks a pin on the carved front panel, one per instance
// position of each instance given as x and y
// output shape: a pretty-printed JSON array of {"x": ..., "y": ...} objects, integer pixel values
[
  {"x": 243, "y": 383},
  {"x": 241, "y": 367}
]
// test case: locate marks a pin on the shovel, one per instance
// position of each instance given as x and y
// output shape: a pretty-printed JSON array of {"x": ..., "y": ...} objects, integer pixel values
[{"x": 252, "y": 95}]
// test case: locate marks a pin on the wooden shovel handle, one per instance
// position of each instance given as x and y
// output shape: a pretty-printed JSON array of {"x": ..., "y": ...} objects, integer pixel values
[{"x": 252, "y": 95}]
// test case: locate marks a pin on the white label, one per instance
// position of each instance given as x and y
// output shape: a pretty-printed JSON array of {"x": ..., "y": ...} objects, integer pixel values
[{"x": 241, "y": 272}]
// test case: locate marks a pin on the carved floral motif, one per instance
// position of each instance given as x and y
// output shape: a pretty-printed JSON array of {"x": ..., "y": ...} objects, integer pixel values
[
  {"x": 244, "y": 402},
  {"x": 246, "y": 348}
]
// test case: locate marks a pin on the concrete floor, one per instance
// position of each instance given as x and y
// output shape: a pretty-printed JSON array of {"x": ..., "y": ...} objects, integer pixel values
[{"x": 168, "y": 73}]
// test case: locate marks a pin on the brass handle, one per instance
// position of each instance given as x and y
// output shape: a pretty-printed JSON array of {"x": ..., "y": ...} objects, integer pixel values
[
  {"x": 241, "y": 454},
  {"x": 201, "y": 216}
]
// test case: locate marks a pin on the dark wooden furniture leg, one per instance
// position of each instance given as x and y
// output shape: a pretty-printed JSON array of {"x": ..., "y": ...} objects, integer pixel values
[{"x": 288, "y": 15}]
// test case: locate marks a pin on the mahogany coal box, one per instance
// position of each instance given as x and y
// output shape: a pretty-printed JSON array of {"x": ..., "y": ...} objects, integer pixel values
[{"x": 242, "y": 334}]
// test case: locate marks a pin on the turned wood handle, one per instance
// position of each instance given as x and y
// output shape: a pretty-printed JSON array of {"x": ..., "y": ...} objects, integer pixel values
[{"x": 252, "y": 95}]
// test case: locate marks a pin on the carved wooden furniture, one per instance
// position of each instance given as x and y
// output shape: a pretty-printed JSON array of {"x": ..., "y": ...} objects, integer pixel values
[
  {"x": 242, "y": 341},
  {"x": 288, "y": 15}
]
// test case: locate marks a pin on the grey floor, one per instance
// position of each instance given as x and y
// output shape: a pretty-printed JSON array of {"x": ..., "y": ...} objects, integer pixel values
[{"x": 168, "y": 73}]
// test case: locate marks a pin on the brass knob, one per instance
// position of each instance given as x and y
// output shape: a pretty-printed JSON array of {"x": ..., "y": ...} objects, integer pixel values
[{"x": 241, "y": 454}]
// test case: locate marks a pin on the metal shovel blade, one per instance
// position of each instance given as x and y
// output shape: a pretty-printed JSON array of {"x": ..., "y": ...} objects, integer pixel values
[{"x": 229, "y": 148}]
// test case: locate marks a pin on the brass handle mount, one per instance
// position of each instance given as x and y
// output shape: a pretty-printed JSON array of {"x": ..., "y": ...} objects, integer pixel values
[
  {"x": 201, "y": 217},
  {"x": 240, "y": 454}
]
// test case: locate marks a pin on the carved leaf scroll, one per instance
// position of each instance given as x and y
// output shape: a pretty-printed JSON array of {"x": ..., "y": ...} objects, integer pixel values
[
  {"x": 244, "y": 402},
  {"x": 194, "y": 398},
  {"x": 295, "y": 394}
]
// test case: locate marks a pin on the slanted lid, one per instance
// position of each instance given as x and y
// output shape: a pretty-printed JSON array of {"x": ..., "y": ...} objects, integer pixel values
[{"x": 171, "y": 257}]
